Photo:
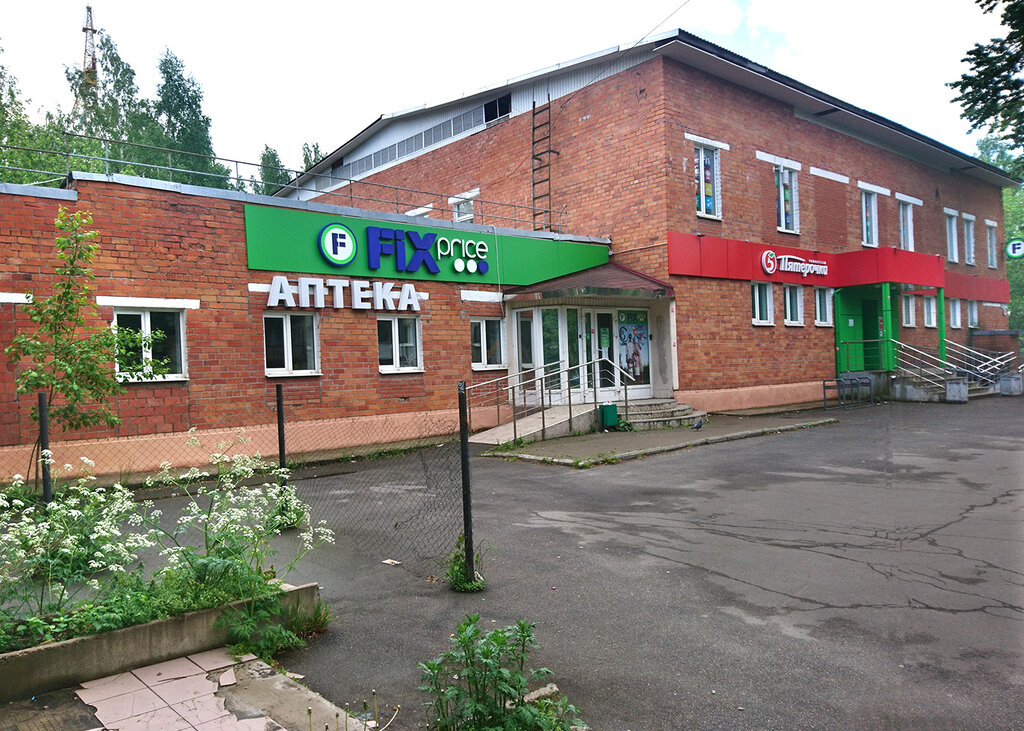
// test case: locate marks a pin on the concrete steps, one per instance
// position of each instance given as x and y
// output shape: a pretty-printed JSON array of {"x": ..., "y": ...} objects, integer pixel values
[{"x": 660, "y": 414}]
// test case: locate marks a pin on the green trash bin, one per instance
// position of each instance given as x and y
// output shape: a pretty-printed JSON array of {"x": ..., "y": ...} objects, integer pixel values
[{"x": 609, "y": 415}]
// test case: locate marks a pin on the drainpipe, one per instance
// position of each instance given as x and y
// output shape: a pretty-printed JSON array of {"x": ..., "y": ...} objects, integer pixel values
[{"x": 940, "y": 320}]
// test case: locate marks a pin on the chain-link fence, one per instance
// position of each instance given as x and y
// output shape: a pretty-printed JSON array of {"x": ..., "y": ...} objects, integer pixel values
[{"x": 392, "y": 484}]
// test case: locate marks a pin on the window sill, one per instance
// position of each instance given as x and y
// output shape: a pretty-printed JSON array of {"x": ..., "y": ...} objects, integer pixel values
[
  {"x": 970, "y": 264},
  {"x": 930, "y": 327},
  {"x": 869, "y": 245},
  {"x": 794, "y": 323},
  {"x": 791, "y": 232},
  {"x": 386, "y": 371},
  {"x": 499, "y": 367},
  {"x": 823, "y": 324},
  {"x": 903, "y": 324},
  {"x": 128, "y": 380},
  {"x": 758, "y": 323},
  {"x": 708, "y": 216},
  {"x": 291, "y": 374}
]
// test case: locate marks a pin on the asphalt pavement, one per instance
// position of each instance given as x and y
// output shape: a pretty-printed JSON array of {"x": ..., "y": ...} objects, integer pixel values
[{"x": 865, "y": 574}]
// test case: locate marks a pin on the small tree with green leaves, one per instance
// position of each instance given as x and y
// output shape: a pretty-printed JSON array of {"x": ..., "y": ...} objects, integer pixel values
[{"x": 68, "y": 356}]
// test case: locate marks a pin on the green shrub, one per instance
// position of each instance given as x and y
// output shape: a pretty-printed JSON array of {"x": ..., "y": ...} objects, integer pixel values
[
  {"x": 457, "y": 573},
  {"x": 481, "y": 683}
]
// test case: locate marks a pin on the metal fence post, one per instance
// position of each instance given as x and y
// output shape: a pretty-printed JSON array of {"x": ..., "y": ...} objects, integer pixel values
[
  {"x": 467, "y": 500},
  {"x": 44, "y": 446},
  {"x": 282, "y": 454}
]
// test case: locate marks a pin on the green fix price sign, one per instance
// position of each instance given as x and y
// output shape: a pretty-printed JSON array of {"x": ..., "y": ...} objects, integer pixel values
[
  {"x": 288, "y": 240},
  {"x": 1015, "y": 249}
]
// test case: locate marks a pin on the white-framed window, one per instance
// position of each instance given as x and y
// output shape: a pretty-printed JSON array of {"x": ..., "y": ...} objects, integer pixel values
[
  {"x": 794, "y": 297},
  {"x": 929, "y": 311},
  {"x": 952, "y": 246},
  {"x": 708, "y": 179},
  {"x": 164, "y": 335},
  {"x": 972, "y": 313},
  {"x": 787, "y": 191},
  {"x": 906, "y": 225},
  {"x": 762, "y": 311},
  {"x": 291, "y": 344},
  {"x": 823, "y": 306},
  {"x": 954, "y": 314},
  {"x": 487, "y": 342},
  {"x": 462, "y": 206},
  {"x": 968, "y": 239},
  {"x": 908, "y": 310},
  {"x": 869, "y": 218},
  {"x": 990, "y": 241},
  {"x": 399, "y": 344}
]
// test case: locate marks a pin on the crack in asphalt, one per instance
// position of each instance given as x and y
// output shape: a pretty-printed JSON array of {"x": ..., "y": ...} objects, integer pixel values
[{"x": 852, "y": 538}]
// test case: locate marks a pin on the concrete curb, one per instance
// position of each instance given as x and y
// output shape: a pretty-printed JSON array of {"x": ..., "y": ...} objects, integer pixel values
[
  {"x": 57, "y": 665},
  {"x": 638, "y": 453}
]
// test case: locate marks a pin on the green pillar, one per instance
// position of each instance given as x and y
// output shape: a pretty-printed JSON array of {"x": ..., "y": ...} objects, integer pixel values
[
  {"x": 940, "y": 320},
  {"x": 887, "y": 354}
]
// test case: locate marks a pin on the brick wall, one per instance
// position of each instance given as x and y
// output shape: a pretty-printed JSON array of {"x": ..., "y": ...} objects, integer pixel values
[{"x": 164, "y": 244}]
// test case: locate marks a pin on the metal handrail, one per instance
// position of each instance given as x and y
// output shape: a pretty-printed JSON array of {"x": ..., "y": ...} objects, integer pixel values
[
  {"x": 390, "y": 198},
  {"x": 519, "y": 380}
]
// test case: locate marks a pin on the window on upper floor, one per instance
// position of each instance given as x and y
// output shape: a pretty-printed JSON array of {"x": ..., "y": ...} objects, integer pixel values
[
  {"x": 954, "y": 314},
  {"x": 952, "y": 246},
  {"x": 462, "y": 206},
  {"x": 906, "y": 226},
  {"x": 788, "y": 203},
  {"x": 163, "y": 343},
  {"x": 972, "y": 313},
  {"x": 929, "y": 311},
  {"x": 993, "y": 247},
  {"x": 290, "y": 344},
  {"x": 823, "y": 306},
  {"x": 487, "y": 342},
  {"x": 968, "y": 238},
  {"x": 497, "y": 109},
  {"x": 707, "y": 173},
  {"x": 869, "y": 218},
  {"x": 907, "y": 301},
  {"x": 761, "y": 306}
]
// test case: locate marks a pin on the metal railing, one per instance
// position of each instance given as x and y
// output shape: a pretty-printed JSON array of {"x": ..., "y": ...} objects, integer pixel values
[
  {"x": 85, "y": 153},
  {"x": 520, "y": 394},
  {"x": 923, "y": 365},
  {"x": 926, "y": 364},
  {"x": 984, "y": 366}
]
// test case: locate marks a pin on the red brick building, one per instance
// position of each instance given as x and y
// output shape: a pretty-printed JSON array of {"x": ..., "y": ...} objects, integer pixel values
[
  {"x": 694, "y": 162},
  {"x": 725, "y": 235}
]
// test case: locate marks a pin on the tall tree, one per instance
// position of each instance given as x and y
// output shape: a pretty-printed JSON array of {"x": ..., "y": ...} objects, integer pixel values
[
  {"x": 992, "y": 92},
  {"x": 179, "y": 108},
  {"x": 998, "y": 152},
  {"x": 311, "y": 155},
  {"x": 20, "y": 139},
  {"x": 272, "y": 172}
]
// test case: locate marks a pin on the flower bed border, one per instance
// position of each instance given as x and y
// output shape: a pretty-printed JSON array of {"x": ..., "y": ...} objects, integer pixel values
[{"x": 39, "y": 669}]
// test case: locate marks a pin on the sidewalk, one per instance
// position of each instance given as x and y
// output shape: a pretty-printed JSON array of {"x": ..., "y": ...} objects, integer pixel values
[
  {"x": 608, "y": 447},
  {"x": 208, "y": 691}
]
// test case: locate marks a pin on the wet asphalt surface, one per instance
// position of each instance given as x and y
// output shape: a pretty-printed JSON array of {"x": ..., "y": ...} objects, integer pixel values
[{"x": 868, "y": 574}]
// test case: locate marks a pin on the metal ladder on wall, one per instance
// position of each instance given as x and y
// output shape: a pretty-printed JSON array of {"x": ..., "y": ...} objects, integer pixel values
[{"x": 541, "y": 153}]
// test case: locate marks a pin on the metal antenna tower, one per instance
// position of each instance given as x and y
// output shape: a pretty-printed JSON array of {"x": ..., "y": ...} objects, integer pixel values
[{"x": 89, "y": 74}]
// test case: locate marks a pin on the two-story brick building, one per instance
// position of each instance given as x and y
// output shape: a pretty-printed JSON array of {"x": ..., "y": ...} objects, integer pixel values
[
  {"x": 723, "y": 234},
  {"x": 790, "y": 234}
]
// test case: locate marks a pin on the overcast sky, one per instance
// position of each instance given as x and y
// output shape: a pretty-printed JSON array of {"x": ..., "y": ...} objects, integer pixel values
[{"x": 320, "y": 71}]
